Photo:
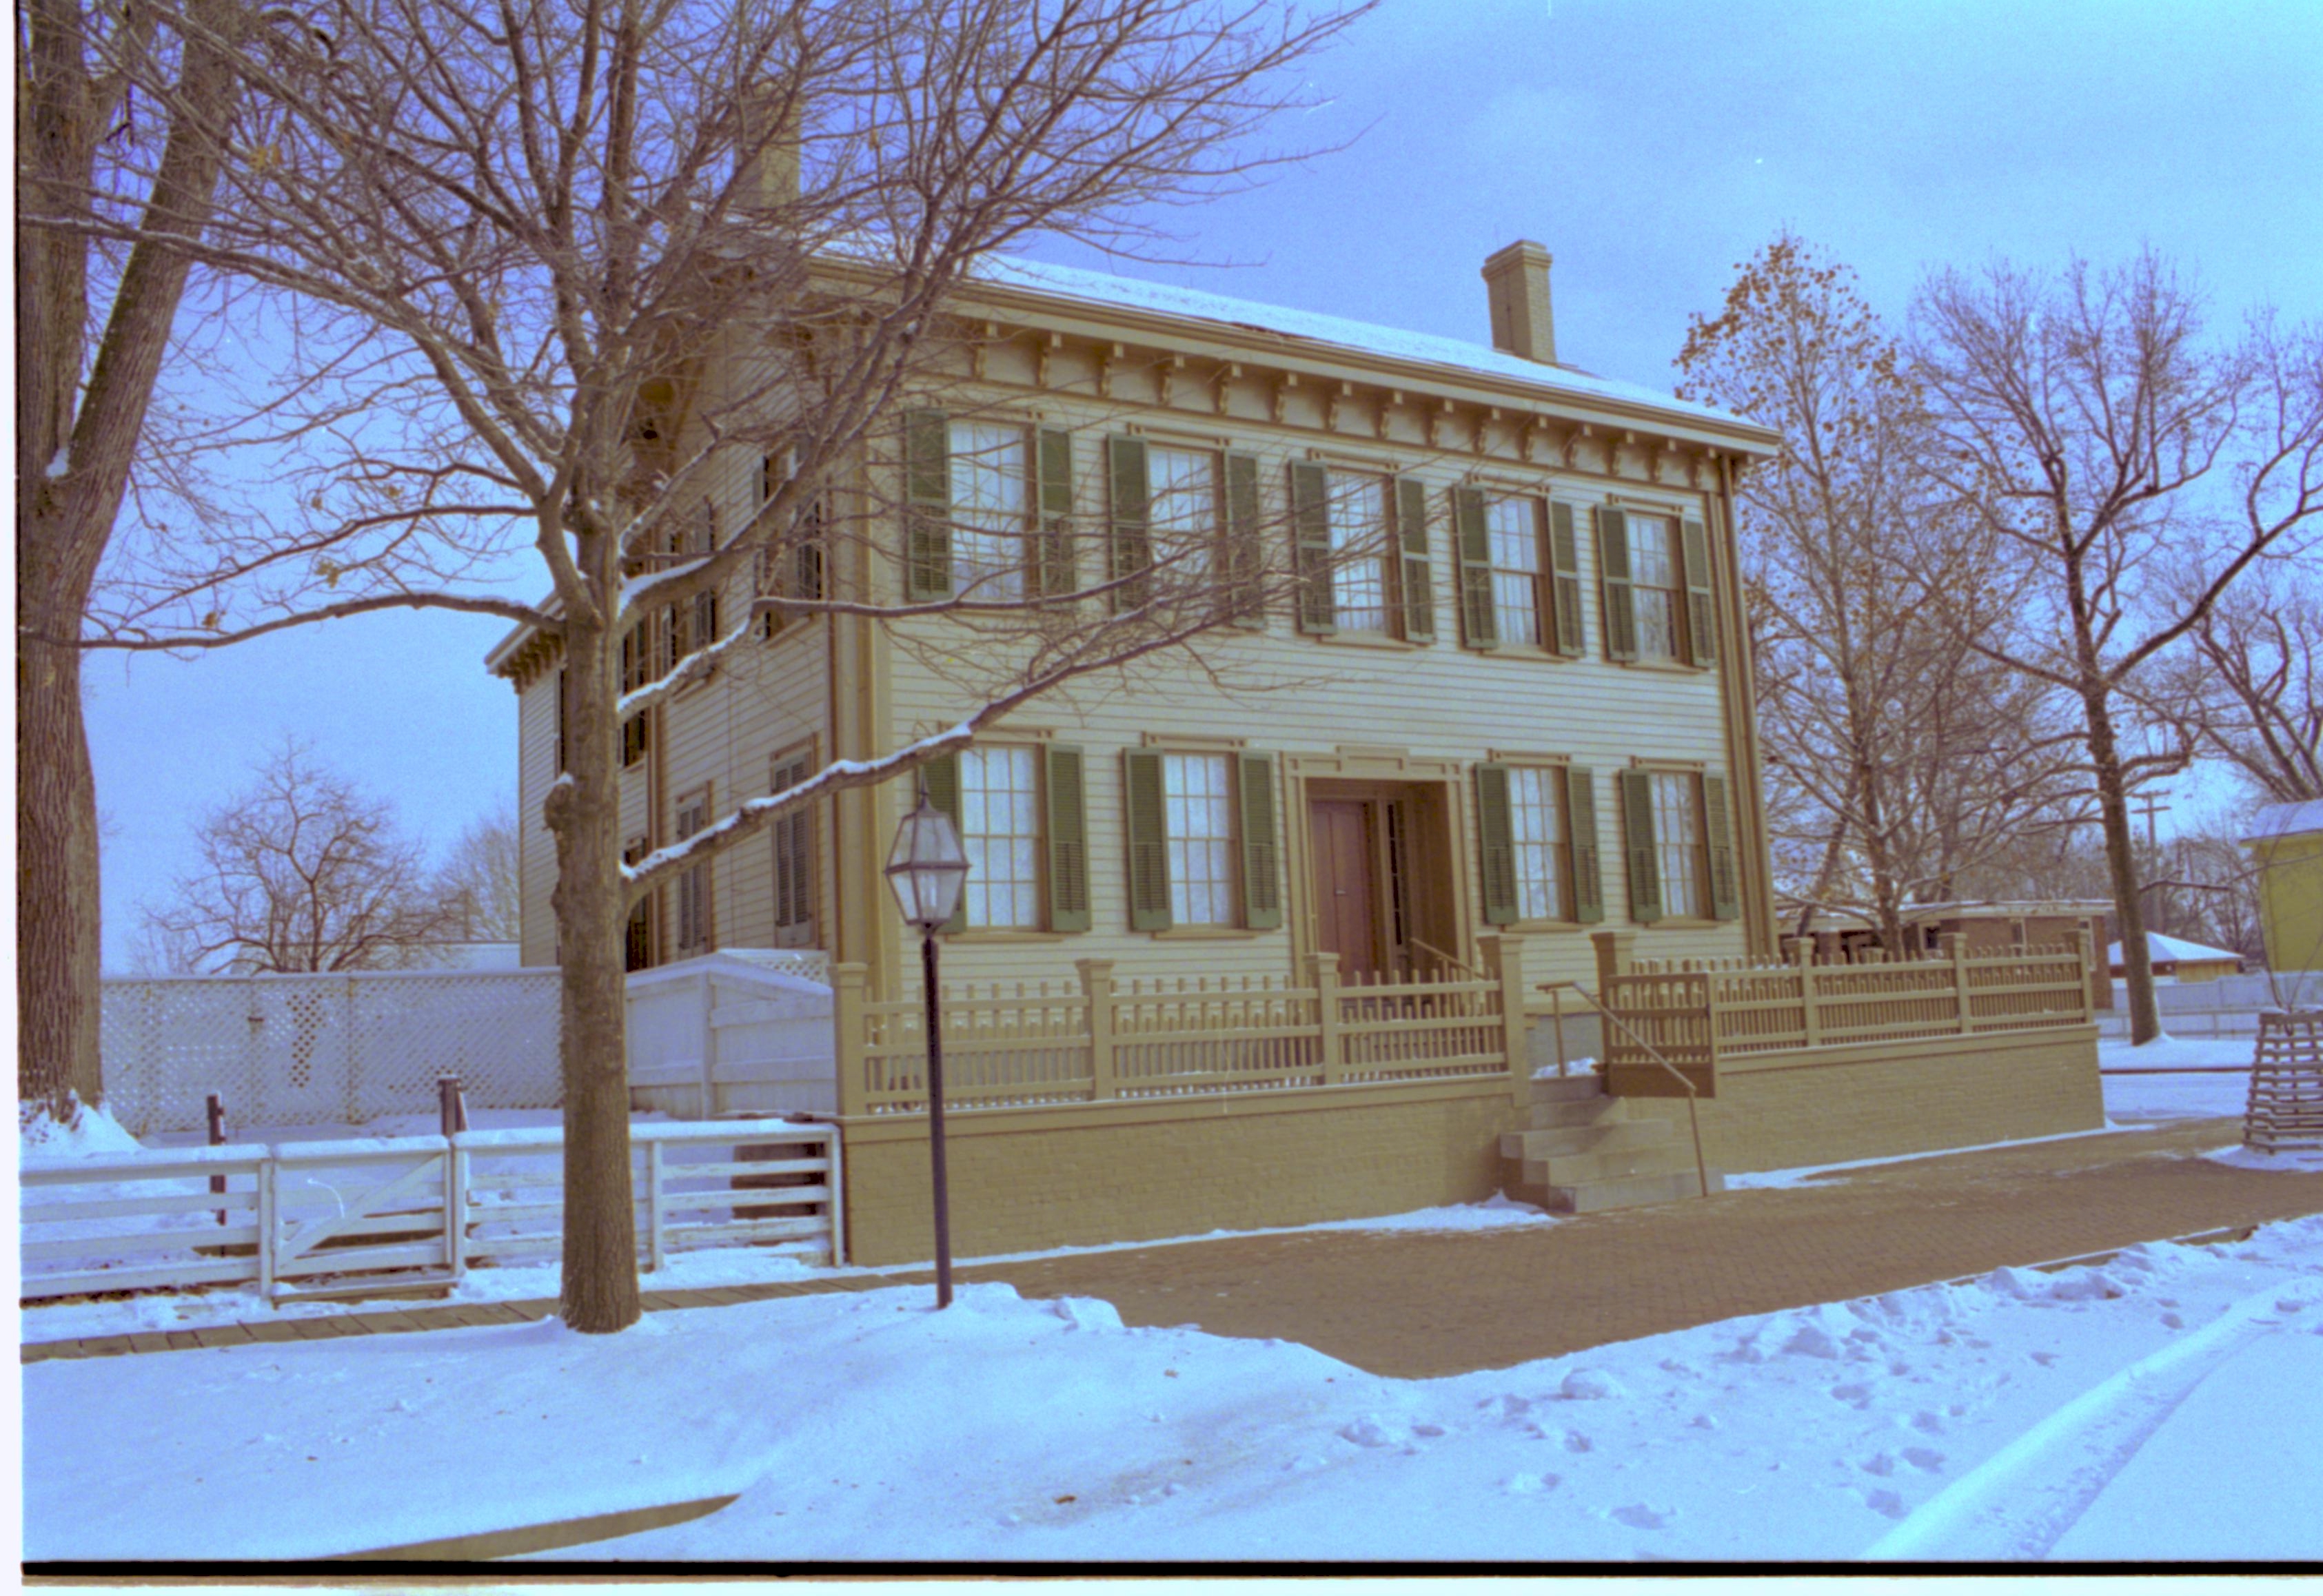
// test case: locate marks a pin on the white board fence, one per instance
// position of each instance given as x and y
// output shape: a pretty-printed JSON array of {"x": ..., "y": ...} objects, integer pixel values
[{"x": 411, "y": 1209}]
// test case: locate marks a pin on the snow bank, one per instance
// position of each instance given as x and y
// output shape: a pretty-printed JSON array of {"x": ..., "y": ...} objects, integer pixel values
[{"x": 90, "y": 1133}]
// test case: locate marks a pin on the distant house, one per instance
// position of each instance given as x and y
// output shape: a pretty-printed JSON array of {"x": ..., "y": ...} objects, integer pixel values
[
  {"x": 2286, "y": 848},
  {"x": 2173, "y": 959},
  {"x": 1982, "y": 927}
]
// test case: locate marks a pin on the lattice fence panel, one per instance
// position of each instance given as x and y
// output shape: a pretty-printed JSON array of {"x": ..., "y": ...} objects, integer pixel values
[{"x": 320, "y": 1049}]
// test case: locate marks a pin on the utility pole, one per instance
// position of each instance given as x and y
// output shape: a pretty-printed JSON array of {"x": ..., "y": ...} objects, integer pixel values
[{"x": 2153, "y": 805}]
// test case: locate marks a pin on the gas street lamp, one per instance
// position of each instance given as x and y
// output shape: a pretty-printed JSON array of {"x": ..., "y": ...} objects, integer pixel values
[{"x": 927, "y": 868}]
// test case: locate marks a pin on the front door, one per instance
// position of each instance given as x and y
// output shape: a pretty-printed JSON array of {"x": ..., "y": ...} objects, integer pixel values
[{"x": 1346, "y": 885}]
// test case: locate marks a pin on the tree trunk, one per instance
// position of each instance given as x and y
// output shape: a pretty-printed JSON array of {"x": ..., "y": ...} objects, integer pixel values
[
  {"x": 2121, "y": 868},
  {"x": 58, "y": 966},
  {"x": 600, "y": 1286}
]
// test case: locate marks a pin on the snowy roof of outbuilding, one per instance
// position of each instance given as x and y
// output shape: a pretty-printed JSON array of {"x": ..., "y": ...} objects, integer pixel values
[
  {"x": 2285, "y": 819},
  {"x": 1356, "y": 337},
  {"x": 2162, "y": 949}
]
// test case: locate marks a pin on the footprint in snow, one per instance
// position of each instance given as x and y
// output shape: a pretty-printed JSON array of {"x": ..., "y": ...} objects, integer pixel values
[
  {"x": 1368, "y": 1431},
  {"x": 1305, "y": 1463},
  {"x": 1640, "y": 1516},
  {"x": 1591, "y": 1385},
  {"x": 1575, "y": 1441},
  {"x": 1854, "y": 1396},
  {"x": 1927, "y": 1423},
  {"x": 1926, "y": 1461},
  {"x": 1886, "y": 1503},
  {"x": 1879, "y": 1464},
  {"x": 1529, "y": 1485}
]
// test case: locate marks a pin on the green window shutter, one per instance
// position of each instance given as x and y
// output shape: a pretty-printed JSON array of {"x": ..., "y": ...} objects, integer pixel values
[
  {"x": 1053, "y": 573},
  {"x": 1581, "y": 834},
  {"x": 1067, "y": 825},
  {"x": 1638, "y": 836},
  {"x": 1564, "y": 581},
  {"x": 1310, "y": 527},
  {"x": 1718, "y": 825},
  {"x": 940, "y": 777},
  {"x": 1146, "y": 816},
  {"x": 1262, "y": 847},
  {"x": 1700, "y": 611},
  {"x": 927, "y": 509},
  {"x": 1613, "y": 572},
  {"x": 1411, "y": 500},
  {"x": 1479, "y": 628},
  {"x": 1245, "y": 562},
  {"x": 1131, "y": 541},
  {"x": 1496, "y": 845}
]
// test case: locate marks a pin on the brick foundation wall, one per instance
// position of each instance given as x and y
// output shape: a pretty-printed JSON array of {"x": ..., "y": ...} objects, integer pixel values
[
  {"x": 1825, "y": 1106},
  {"x": 1022, "y": 1179}
]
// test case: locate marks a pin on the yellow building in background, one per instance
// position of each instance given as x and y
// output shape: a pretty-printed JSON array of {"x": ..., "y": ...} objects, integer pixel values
[{"x": 2286, "y": 847}]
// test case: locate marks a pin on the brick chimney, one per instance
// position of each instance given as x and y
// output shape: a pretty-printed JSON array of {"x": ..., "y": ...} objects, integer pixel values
[{"x": 1516, "y": 279}]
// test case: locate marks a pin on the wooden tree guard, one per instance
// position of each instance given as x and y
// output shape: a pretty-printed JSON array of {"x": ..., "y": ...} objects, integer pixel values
[{"x": 2286, "y": 1113}]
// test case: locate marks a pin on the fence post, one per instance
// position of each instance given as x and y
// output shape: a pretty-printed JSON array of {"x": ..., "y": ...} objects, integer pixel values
[
  {"x": 1955, "y": 950},
  {"x": 455, "y": 1206},
  {"x": 1615, "y": 955},
  {"x": 1503, "y": 958},
  {"x": 655, "y": 1248},
  {"x": 707, "y": 994},
  {"x": 1323, "y": 975},
  {"x": 2081, "y": 954},
  {"x": 268, "y": 1210},
  {"x": 847, "y": 1035},
  {"x": 1810, "y": 1022},
  {"x": 1096, "y": 985}
]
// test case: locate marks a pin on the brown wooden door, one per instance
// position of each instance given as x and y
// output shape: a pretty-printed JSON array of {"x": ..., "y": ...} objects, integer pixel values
[{"x": 1346, "y": 895}]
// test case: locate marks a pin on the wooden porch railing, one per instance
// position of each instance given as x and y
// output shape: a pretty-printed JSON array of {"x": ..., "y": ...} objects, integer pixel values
[
  {"x": 1693, "y": 1013},
  {"x": 1104, "y": 1039}
]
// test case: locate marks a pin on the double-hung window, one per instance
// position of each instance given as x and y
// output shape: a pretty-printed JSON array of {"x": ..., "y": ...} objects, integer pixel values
[
  {"x": 1512, "y": 524},
  {"x": 1203, "y": 850},
  {"x": 988, "y": 511},
  {"x": 990, "y": 508},
  {"x": 792, "y": 565},
  {"x": 1679, "y": 843},
  {"x": 1198, "y": 798},
  {"x": 693, "y": 931},
  {"x": 1022, "y": 818},
  {"x": 1363, "y": 558},
  {"x": 1659, "y": 603},
  {"x": 1182, "y": 510},
  {"x": 1657, "y": 592},
  {"x": 1536, "y": 830},
  {"x": 794, "y": 833},
  {"x": 636, "y": 932}
]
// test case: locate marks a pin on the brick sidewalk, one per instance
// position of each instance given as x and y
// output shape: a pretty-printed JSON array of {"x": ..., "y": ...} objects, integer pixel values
[{"x": 1415, "y": 1306}]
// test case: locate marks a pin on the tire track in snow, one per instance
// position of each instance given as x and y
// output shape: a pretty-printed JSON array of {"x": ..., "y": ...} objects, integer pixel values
[{"x": 2019, "y": 1502}]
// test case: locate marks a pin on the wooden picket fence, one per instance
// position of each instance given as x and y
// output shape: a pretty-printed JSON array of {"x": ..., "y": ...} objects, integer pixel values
[
  {"x": 334, "y": 1217},
  {"x": 1695, "y": 1012},
  {"x": 1103, "y": 1040}
]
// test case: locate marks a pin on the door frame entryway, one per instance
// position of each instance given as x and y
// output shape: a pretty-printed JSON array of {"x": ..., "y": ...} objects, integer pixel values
[{"x": 1432, "y": 840}]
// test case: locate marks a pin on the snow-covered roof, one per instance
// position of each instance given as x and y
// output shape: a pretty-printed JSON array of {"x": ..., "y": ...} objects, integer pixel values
[
  {"x": 2285, "y": 819},
  {"x": 1108, "y": 290},
  {"x": 2162, "y": 949}
]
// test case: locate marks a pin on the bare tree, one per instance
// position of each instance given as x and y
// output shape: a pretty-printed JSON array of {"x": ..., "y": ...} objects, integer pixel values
[
  {"x": 1902, "y": 755},
  {"x": 2253, "y": 687},
  {"x": 2091, "y": 427},
  {"x": 301, "y": 873},
  {"x": 592, "y": 264},
  {"x": 481, "y": 884},
  {"x": 94, "y": 319}
]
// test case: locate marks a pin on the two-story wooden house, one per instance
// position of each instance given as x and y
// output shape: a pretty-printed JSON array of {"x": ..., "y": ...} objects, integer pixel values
[{"x": 1519, "y": 699}]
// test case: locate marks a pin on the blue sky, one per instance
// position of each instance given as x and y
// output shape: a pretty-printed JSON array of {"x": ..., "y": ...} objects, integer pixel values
[{"x": 1649, "y": 145}]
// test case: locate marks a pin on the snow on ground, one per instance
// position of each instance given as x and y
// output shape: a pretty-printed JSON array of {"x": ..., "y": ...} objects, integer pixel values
[
  {"x": 2133, "y": 1097},
  {"x": 2166, "y": 1404}
]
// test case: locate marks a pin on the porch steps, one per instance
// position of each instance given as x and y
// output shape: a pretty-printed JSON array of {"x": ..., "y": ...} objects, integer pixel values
[{"x": 1585, "y": 1153}]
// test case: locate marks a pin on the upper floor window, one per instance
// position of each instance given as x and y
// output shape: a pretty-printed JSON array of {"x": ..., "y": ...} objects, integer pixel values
[
  {"x": 1363, "y": 556},
  {"x": 1656, "y": 587},
  {"x": 1513, "y": 527},
  {"x": 987, "y": 509},
  {"x": 1183, "y": 507},
  {"x": 990, "y": 506},
  {"x": 1359, "y": 596}
]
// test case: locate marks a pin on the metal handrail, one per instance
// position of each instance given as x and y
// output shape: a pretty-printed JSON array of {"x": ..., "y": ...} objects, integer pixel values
[{"x": 1693, "y": 1115}]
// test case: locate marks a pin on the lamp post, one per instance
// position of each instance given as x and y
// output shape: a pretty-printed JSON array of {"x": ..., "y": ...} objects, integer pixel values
[{"x": 927, "y": 868}]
